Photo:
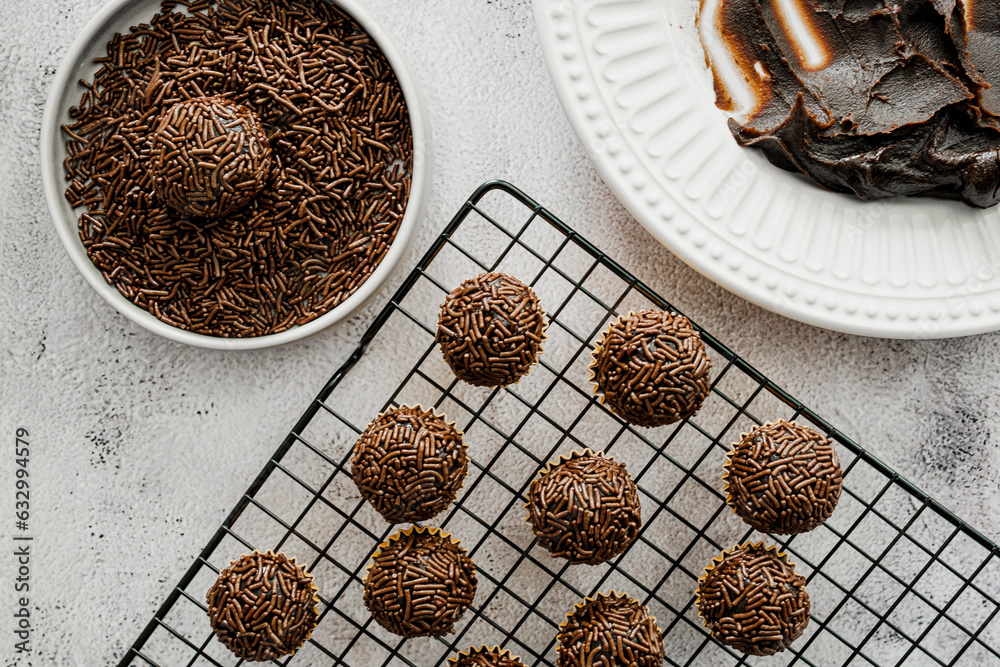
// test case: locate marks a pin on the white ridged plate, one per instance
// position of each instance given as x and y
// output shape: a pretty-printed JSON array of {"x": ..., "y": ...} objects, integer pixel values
[{"x": 632, "y": 78}]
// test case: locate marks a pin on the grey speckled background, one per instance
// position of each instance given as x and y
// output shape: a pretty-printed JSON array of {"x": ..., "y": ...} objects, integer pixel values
[{"x": 141, "y": 446}]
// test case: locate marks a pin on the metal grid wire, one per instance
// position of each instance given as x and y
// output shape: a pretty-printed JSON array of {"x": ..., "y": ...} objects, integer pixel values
[{"x": 894, "y": 578}]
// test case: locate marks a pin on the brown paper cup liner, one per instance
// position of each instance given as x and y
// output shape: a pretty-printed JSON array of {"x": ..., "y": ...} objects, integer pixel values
[
  {"x": 436, "y": 413},
  {"x": 722, "y": 556},
  {"x": 484, "y": 649}
]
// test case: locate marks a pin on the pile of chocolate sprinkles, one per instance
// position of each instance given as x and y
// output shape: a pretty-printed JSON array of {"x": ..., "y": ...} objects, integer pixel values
[
  {"x": 585, "y": 508},
  {"x": 752, "y": 599},
  {"x": 420, "y": 583},
  {"x": 208, "y": 157},
  {"x": 609, "y": 631},
  {"x": 409, "y": 464},
  {"x": 339, "y": 133},
  {"x": 485, "y": 656},
  {"x": 491, "y": 330},
  {"x": 263, "y": 606},
  {"x": 783, "y": 478},
  {"x": 652, "y": 368}
]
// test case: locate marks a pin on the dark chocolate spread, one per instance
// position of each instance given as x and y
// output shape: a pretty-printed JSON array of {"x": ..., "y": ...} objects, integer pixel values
[{"x": 881, "y": 98}]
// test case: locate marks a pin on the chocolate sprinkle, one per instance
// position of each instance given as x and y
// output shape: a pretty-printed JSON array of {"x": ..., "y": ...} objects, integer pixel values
[
  {"x": 585, "y": 508},
  {"x": 491, "y": 330},
  {"x": 485, "y": 656},
  {"x": 409, "y": 464},
  {"x": 420, "y": 583},
  {"x": 652, "y": 368},
  {"x": 783, "y": 478},
  {"x": 610, "y": 631},
  {"x": 263, "y": 606},
  {"x": 341, "y": 151},
  {"x": 208, "y": 157},
  {"x": 752, "y": 599}
]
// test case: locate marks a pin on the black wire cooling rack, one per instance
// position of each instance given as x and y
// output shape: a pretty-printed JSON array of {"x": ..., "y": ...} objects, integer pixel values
[{"x": 894, "y": 578}]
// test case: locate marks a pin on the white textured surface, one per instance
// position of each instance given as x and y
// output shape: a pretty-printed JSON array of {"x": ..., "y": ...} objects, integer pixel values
[
  {"x": 141, "y": 446},
  {"x": 634, "y": 79}
]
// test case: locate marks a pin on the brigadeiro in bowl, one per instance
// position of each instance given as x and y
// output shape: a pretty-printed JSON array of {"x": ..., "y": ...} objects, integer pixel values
[
  {"x": 584, "y": 508},
  {"x": 783, "y": 478},
  {"x": 419, "y": 583},
  {"x": 752, "y": 599},
  {"x": 651, "y": 368},
  {"x": 608, "y": 630},
  {"x": 409, "y": 464},
  {"x": 208, "y": 157},
  {"x": 491, "y": 329},
  {"x": 263, "y": 606}
]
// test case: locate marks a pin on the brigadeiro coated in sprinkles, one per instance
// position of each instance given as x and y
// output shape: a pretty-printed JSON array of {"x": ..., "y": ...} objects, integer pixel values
[
  {"x": 584, "y": 508},
  {"x": 485, "y": 656},
  {"x": 208, "y": 156},
  {"x": 651, "y": 368},
  {"x": 752, "y": 599},
  {"x": 263, "y": 606},
  {"x": 491, "y": 329},
  {"x": 419, "y": 583},
  {"x": 409, "y": 464},
  {"x": 610, "y": 630},
  {"x": 783, "y": 478}
]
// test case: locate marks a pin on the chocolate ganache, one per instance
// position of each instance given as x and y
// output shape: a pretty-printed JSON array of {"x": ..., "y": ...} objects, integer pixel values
[{"x": 881, "y": 98}]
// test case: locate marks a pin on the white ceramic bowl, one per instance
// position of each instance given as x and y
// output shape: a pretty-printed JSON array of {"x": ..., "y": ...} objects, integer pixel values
[{"x": 119, "y": 16}]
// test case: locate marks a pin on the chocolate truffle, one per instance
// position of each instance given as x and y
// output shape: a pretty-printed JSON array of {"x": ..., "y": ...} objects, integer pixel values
[
  {"x": 485, "y": 656},
  {"x": 208, "y": 157},
  {"x": 409, "y": 464},
  {"x": 651, "y": 368},
  {"x": 609, "y": 631},
  {"x": 783, "y": 478},
  {"x": 751, "y": 599},
  {"x": 585, "y": 508},
  {"x": 491, "y": 329},
  {"x": 419, "y": 583},
  {"x": 263, "y": 606}
]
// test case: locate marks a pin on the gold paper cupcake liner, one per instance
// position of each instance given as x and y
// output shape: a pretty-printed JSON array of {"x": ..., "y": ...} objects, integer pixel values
[
  {"x": 440, "y": 415},
  {"x": 781, "y": 555},
  {"x": 484, "y": 648},
  {"x": 559, "y": 460}
]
